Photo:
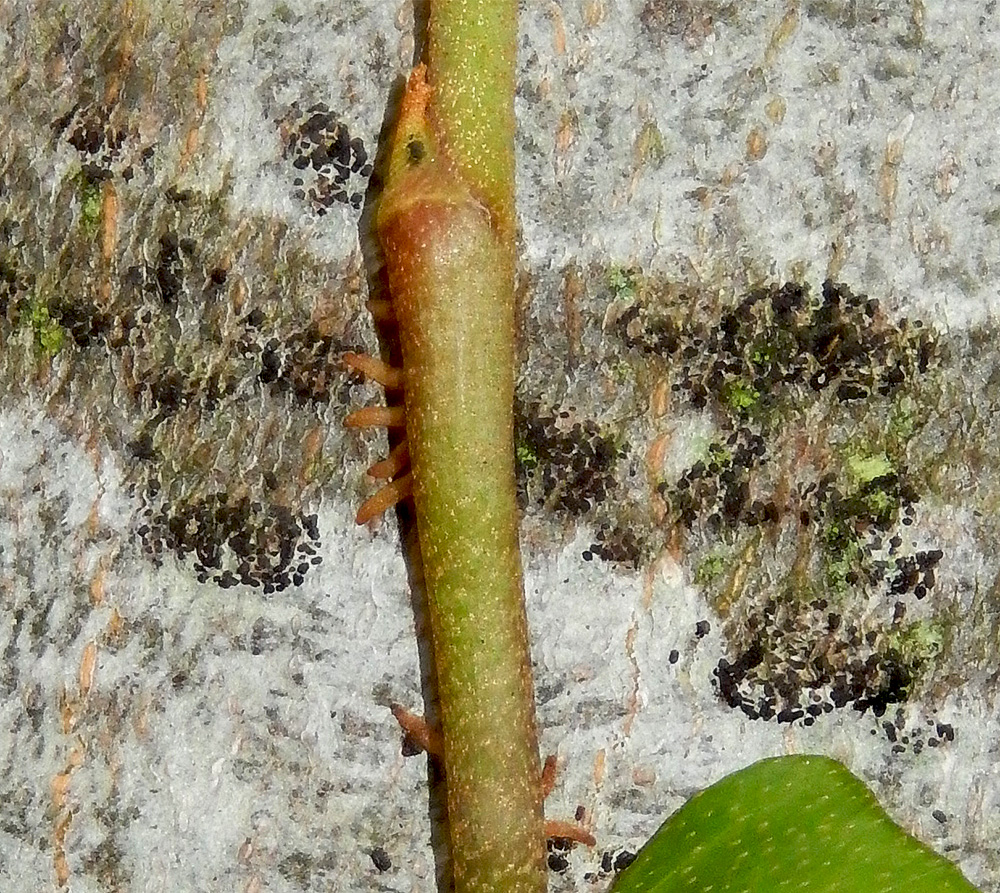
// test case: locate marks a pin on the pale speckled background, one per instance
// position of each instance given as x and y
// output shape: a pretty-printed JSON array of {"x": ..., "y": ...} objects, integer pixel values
[{"x": 160, "y": 733}]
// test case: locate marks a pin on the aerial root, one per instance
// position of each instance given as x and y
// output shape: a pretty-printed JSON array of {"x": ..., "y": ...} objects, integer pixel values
[
  {"x": 398, "y": 460},
  {"x": 418, "y": 731},
  {"x": 424, "y": 737},
  {"x": 399, "y": 487},
  {"x": 568, "y": 831},
  {"x": 395, "y": 491},
  {"x": 377, "y": 417},
  {"x": 390, "y": 377}
]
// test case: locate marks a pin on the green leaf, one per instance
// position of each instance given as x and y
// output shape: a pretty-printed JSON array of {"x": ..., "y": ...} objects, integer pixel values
[{"x": 800, "y": 823}]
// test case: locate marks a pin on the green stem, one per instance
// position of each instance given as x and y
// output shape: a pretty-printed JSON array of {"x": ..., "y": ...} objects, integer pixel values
[
  {"x": 472, "y": 54},
  {"x": 446, "y": 223}
]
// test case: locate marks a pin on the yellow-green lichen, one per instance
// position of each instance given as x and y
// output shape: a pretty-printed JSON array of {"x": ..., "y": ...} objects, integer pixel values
[
  {"x": 89, "y": 194},
  {"x": 623, "y": 282},
  {"x": 525, "y": 455},
  {"x": 740, "y": 395},
  {"x": 49, "y": 335},
  {"x": 864, "y": 468},
  {"x": 841, "y": 555},
  {"x": 902, "y": 423},
  {"x": 649, "y": 148},
  {"x": 710, "y": 568},
  {"x": 920, "y": 642},
  {"x": 720, "y": 454}
]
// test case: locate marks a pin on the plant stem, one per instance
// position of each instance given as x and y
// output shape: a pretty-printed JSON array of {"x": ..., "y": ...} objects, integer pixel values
[
  {"x": 472, "y": 50},
  {"x": 446, "y": 222}
]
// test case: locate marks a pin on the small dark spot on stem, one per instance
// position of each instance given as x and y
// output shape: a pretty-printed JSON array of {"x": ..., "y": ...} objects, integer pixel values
[{"x": 415, "y": 152}]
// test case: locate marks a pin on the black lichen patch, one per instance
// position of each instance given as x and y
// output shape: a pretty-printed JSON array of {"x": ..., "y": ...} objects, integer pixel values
[
  {"x": 571, "y": 467},
  {"x": 778, "y": 352},
  {"x": 779, "y": 344},
  {"x": 329, "y": 166},
  {"x": 802, "y": 663},
  {"x": 235, "y": 542},
  {"x": 617, "y": 543},
  {"x": 262, "y": 541},
  {"x": 558, "y": 854},
  {"x": 304, "y": 364},
  {"x": 909, "y": 735},
  {"x": 103, "y": 146},
  {"x": 568, "y": 466},
  {"x": 717, "y": 488},
  {"x": 612, "y": 862},
  {"x": 88, "y": 130},
  {"x": 265, "y": 539},
  {"x": 84, "y": 322},
  {"x": 380, "y": 859},
  {"x": 169, "y": 268},
  {"x": 834, "y": 504}
]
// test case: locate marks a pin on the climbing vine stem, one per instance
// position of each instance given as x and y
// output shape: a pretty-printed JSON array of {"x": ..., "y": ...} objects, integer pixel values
[{"x": 446, "y": 225}]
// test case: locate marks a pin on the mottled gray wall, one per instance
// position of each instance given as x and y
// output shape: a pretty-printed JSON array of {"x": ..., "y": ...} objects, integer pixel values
[{"x": 747, "y": 498}]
